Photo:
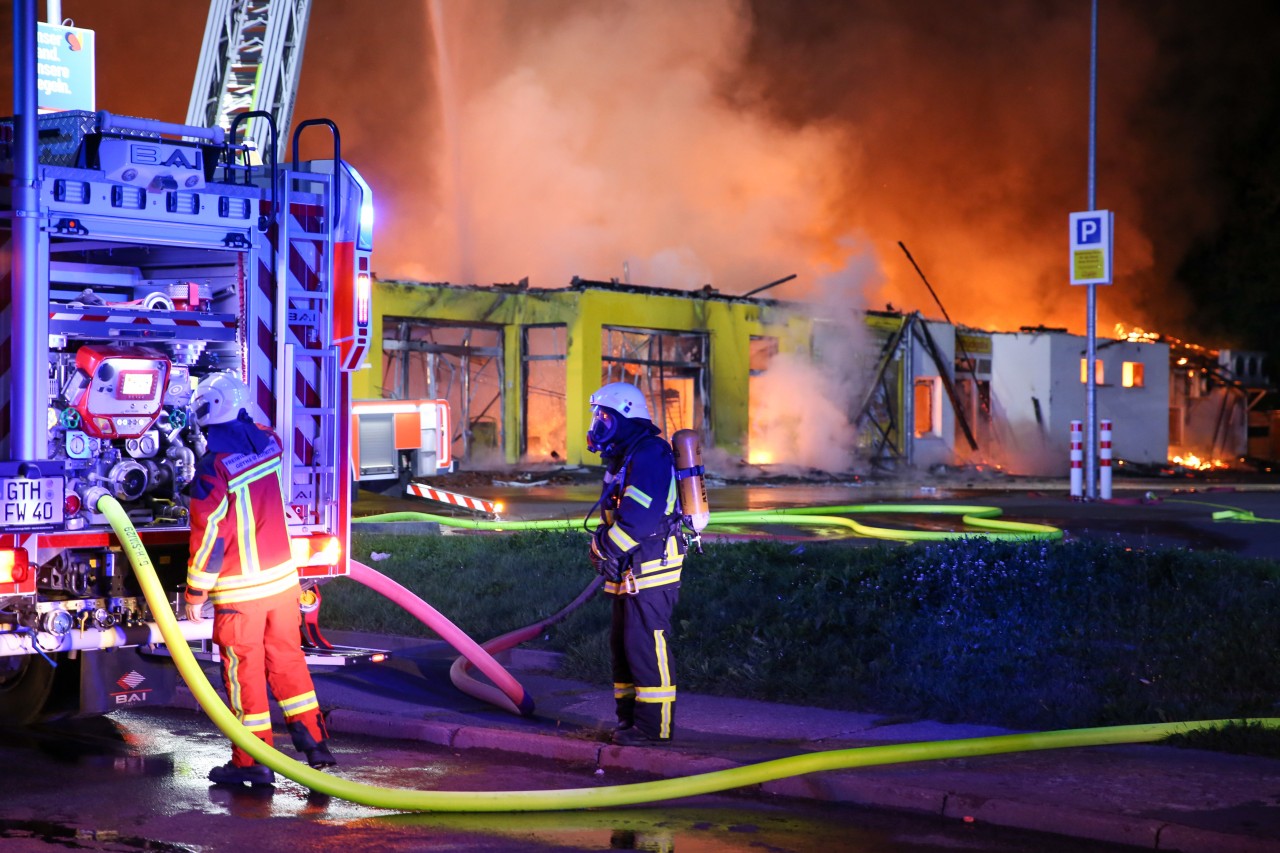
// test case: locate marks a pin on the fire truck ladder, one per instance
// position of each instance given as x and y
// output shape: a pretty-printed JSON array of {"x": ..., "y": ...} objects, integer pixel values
[
  {"x": 250, "y": 60},
  {"x": 308, "y": 400}
]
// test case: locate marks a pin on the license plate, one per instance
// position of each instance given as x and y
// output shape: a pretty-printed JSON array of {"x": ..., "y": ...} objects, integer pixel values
[{"x": 28, "y": 502}]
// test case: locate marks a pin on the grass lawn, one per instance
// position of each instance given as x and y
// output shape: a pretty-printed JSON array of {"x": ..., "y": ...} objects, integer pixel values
[{"x": 1029, "y": 636}]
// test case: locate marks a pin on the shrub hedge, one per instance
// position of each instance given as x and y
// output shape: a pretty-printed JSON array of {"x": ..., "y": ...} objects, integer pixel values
[{"x": 1028, "y": 635}]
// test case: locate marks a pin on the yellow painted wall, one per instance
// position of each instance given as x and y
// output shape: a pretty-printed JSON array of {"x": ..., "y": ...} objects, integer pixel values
[
  {"x": 585, "y": 310},
  {"x": 884, "y": 327}
]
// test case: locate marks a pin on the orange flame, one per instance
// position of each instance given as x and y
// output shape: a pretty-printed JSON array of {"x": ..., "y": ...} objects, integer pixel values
[
  {"x": 1196, "y": 463},
  {"x": 1135, "y": 335}
]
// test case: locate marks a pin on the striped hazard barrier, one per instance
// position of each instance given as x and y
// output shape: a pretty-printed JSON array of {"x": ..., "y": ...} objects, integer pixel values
[
  {"x": 1077, "y": 459},
  {"x": 453, "y": 498},
  {"x": 1104, "y": 460}
]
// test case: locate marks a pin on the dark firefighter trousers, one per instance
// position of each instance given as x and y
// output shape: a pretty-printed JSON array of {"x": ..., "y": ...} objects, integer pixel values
[{"x": 644, "y": 686}]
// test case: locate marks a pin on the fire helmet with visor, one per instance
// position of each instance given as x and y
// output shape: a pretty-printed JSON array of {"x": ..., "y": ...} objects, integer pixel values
[
  {"x": 219, "y": 398},
  {"x": 613, "y": 402}
]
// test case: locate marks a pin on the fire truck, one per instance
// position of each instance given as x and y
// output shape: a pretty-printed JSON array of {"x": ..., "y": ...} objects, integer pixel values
[
  {"x": 145, "y": 257},
  {"x": 398, "y": 440}
]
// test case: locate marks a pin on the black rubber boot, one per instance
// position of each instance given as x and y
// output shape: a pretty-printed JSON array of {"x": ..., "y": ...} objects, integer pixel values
[
  {"x": 634, "y": 737},
  {"x": 319, "y": 756},
  {"x": 254, "y": 774}
]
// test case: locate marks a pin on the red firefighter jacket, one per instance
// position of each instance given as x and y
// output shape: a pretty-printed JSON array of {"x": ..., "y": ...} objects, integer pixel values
[{"x": 239, "y": 534}]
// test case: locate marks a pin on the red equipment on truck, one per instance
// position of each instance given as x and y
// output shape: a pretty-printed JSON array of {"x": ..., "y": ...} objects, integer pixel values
[{"x": 158, "y": 259}]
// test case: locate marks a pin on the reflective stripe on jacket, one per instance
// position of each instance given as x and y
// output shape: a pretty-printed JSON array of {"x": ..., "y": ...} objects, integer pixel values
[
  {"x": 240, "y": 548},
  {"x": 640, "y": 517}
]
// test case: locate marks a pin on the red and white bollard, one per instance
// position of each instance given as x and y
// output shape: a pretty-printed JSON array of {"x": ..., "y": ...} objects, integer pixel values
[
  {"x": 1077, "y": 459},
  {"x": 1104, "y": 460}
]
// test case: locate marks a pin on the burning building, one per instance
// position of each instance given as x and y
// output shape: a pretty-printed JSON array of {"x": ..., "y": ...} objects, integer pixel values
[
  {"x": 1218, "y": 412},
  {"x": 1039, "y": 387},
  {"x": 787, "y": 385},
  {"x": 517, "y": 363}
]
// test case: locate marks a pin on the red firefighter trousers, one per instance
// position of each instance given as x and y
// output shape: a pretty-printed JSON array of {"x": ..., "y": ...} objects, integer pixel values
[{"x": 260, "y": 644}]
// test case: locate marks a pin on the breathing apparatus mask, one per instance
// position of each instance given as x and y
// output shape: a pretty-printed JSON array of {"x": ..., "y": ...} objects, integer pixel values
[
  {"x": 602, "y": 437},
  {"x": 612, "y": 406}
]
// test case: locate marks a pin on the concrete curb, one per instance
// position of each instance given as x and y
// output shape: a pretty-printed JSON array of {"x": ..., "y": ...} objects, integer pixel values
[
  {"x": 1192, "y": 839},
  {"x": 1066, "y": 821},
  {"x": 397, "y": 728}
]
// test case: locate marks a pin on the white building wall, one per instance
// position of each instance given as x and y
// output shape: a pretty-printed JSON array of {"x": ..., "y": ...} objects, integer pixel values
[
  {"x": 936, "y": 446},
  {"x": 1139, "y": 415},
  {"x": 1022, "y": 404},
  {"x": 1037, "y": 391}
]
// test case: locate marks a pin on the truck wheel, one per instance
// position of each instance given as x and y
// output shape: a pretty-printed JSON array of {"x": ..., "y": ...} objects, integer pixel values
[{"x": 26, "y": 682}]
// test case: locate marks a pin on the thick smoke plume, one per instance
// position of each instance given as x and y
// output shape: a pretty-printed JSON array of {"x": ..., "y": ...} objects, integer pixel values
[
  {"x": 731, "y": 142},
  {"x": 726, "y": 143},
  {"x": 598, "y": 140},
  {"x": 799, "y": 407}
]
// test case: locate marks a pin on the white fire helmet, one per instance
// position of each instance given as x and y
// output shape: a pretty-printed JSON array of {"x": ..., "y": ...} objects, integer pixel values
[
  {"x": 624, "y": 398},
  {"x": 219, "y": 398}
]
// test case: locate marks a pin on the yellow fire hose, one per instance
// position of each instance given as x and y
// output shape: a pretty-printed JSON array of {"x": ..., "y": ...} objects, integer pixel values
[{"x": 581, "y": 798}]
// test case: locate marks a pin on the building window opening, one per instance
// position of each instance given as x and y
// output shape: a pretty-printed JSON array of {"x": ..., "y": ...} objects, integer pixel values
[
  {"x": 925, "y": 407},
  {"x": 1098, "y": 372},
  {"x": 1132, "y": 374},
  {"x": 671, "y": 368},
  {"x": 457, "y": 362},
  {"x": 544, "y": 362}
]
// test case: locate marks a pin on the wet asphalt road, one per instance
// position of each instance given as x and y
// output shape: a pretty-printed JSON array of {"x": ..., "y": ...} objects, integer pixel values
[{"x": 136, "y": 781}]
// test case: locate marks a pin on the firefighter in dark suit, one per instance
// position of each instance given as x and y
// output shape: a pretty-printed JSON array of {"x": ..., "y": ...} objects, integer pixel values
[
  {"x": 639, "y": 550},
  {"x": 241, "y": 561}
]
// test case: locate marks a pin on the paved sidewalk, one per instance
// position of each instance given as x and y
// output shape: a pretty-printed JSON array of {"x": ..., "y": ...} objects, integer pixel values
[{"x": 1151, "y": 797}]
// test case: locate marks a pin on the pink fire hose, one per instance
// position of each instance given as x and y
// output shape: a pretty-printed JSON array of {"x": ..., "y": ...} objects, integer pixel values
[
  {"x": 510, "y": 695},
  {"x": 460, "y": 674}
]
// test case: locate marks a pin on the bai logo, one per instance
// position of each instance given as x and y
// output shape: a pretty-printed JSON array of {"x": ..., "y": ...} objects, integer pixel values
[
  {"x": 165, "y": 155},
  {"x": 129, "y": 684}
]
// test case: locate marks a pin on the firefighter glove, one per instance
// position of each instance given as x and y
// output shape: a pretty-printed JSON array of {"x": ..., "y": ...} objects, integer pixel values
[{"x": 609, "y": 567}]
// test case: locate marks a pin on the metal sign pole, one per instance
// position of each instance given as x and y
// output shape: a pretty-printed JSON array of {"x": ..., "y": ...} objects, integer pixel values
[
  {"x": 1091, "y": 323},
  {"x": 29, "y": 394}
]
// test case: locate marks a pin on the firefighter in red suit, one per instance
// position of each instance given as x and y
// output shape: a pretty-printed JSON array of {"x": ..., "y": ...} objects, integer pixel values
[
  {"x": 639, "y": 550},
  {"x": 241, "y": 561}
]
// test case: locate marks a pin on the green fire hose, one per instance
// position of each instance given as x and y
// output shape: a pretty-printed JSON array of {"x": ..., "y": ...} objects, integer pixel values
[
  {"x": 581, "y": 798},
  {"x": 985, "y": 518}
]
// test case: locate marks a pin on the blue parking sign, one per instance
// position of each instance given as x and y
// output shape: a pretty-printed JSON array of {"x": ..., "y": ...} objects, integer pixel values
[{"x": 1091, "y": 235}]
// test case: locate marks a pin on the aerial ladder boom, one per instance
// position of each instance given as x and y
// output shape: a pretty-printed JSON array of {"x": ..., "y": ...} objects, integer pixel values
[{"x": 250, "y": 60}]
